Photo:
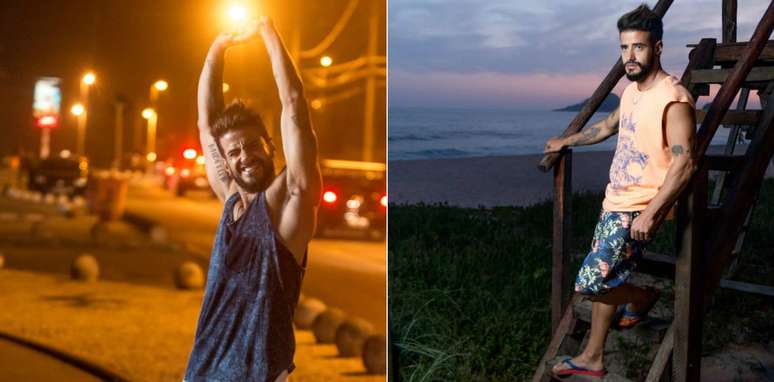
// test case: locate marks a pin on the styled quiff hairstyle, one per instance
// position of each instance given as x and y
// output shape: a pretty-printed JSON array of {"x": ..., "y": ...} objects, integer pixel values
[
  {"x": 644, "y": 19},
  {"x": 237, "y": 115}
]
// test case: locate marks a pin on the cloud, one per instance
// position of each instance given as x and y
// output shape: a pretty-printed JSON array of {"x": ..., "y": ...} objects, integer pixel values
[{"x": 517, "y": 39}]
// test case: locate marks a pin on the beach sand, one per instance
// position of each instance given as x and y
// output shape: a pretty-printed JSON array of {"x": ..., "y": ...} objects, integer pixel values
[{"x": 494, "y": 181}]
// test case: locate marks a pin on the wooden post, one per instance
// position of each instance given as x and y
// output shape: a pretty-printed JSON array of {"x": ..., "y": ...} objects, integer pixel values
[
  {"x": 729, "y": 21},
  {"x": 689, "y": 280},
  {"x": 561, "y": 238}
]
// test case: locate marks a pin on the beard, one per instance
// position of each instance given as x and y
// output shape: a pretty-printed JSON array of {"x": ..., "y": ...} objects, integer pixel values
[
  {"x": 267, "y": 175},
  {"x": 644, "y": 71}
]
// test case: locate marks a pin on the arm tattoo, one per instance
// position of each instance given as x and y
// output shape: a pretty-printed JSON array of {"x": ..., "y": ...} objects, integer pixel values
[
  {"x": 219, "y": 169},
  {"x": 677, "y": 150},
  {"x": 588, "y": 135}
]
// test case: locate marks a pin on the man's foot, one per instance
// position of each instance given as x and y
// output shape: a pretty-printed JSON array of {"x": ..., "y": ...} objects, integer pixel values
[
  {"x": 571, "y": 366},
  {"x": 633, "y": 313}
]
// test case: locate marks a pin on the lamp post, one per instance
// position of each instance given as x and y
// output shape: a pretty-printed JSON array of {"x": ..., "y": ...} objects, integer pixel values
[
  {"x": 150, "y": 148},
  {"x": 87, "y": 81},
  {"x": 79, "y": 111}
]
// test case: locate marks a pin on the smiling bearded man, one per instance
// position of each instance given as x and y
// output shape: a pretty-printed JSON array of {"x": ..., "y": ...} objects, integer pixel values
[{"x": 245, "y": 328}]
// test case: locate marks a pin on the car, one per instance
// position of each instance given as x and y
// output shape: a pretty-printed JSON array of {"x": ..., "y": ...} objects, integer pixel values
[
  {"x": 354, "y": 199},
  {"x": 187, "y": 173},
  {"x": 61, "y": 175}
]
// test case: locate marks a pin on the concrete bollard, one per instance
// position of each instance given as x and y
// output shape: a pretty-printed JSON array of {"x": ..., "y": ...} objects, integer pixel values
[
  {"x": 375, "y": 354},
  {"x": 85, "y": 268},
  {"x": 307, "y": 311},
  {"x": 351, "y": 337},
  {"x": 189, "y": 276},
  {"x": 326, "y": 324}
]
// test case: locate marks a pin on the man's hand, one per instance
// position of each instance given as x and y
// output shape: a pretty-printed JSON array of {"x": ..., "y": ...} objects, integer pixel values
[
  {"x": 644, "y": 226},
  {"x": 243, "y": 33},
  {"x": 554, "y": 144}
]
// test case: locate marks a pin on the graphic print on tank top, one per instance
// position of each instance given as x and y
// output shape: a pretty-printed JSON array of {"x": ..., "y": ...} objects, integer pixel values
[{"x": 629, "y": 162}]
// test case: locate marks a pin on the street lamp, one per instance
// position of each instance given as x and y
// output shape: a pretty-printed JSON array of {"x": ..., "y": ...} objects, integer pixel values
[
  {"x": 155, "y": 88},
  {"x": 150, "y": 147},
  {"x": 326, "y": 61},
  {"x": 238, "y": 14},
  {"x": 89, "y": 78},
  {"x": 226, "y": 87},
  {"x": 160, "y": 85},
  {"x": 79, "y": 111},
  {"x": 87, "y": 81}
]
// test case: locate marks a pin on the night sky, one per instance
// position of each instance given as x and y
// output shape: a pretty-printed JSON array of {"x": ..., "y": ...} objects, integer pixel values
[{"x": 131, "y": 44}]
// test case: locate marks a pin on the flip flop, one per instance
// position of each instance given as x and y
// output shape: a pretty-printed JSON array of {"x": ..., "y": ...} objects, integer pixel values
[
  {"x": 629, "y": 319},
  {"x": 577, "y": 370}
]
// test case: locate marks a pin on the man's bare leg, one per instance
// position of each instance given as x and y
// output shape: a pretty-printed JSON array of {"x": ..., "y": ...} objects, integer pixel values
[{"x": 602, "y": 311}]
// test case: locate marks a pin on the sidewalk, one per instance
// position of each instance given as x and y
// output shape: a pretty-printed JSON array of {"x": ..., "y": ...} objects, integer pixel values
[
  {"x": 132, "y": 321},
  {"x": 143, "y": 333}
]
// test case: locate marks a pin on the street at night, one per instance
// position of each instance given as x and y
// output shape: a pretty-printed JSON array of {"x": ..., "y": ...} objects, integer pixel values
[{"x": 139, "y": 134}]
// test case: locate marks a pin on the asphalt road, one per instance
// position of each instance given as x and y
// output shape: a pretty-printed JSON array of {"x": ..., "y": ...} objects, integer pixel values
[{"x": 348, "y": 274}]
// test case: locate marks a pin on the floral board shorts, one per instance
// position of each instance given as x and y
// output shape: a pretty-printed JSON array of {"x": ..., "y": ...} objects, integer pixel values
[{"x": 613, "y": 256}]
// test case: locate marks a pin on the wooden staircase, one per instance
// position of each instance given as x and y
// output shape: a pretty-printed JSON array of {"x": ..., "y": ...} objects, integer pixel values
[{"x": 710, "y": 222}]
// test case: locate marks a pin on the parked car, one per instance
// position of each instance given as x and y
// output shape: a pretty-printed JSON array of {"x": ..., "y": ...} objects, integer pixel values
[
  {"x": 59, "y": 175},
  {"x": 354, "y": 199},
  {"x": 186, "y": 173}
]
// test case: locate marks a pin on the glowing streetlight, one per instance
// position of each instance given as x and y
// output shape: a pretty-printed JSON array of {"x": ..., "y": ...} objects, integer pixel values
[
  {"x": 237, "y": 14},
  {"x": 151, "y": 157},
  {"x": 226, "y": 87},
  {"x": 77, "y": 109},
  {"x": 200, "y": 160},
  {"x": 89, "y": 78},
  {"x": 316, "y": 104},
  {"x": 148, "y": 113},
  {"x": 326, "y": 61},
  {"x": 160, "y": 85},
  {"x": 150, "y": 145}
]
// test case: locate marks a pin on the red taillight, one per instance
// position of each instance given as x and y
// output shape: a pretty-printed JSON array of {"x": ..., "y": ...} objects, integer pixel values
[
  {"x": 330, "y": 197},
  {"x": 383, "y": 201}
]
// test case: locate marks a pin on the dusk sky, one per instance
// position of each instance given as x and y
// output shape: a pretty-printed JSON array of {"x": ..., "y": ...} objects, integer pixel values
[{"x": 530, "y": 55}]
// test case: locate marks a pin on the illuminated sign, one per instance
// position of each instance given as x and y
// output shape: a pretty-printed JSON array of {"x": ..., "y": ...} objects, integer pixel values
[{"x": 47, "y": 102}]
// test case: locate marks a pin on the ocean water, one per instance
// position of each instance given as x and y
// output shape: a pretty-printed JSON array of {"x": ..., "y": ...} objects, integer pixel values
[{"x": 423, "y": 133}]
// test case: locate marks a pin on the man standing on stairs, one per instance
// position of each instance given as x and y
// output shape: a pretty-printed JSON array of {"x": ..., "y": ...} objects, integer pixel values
[
  {"x": 652, "y": 164},
  {"x": 245, "y": 328}
]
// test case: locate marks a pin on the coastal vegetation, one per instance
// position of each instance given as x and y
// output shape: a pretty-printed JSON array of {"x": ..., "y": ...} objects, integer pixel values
[{"x": 469, "y": 288}]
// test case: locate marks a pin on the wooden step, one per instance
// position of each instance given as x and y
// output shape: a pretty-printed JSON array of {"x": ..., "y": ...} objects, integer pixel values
[
  {"x": 609, "y": 377},
  {"x": 734, "y": 117},
  {"x": 730, "y": 53},
  {"x": 718, "y": 76}
]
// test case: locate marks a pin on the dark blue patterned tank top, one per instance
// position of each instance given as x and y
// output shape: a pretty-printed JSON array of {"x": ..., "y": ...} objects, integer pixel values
[{"x": 245, "y": 329}]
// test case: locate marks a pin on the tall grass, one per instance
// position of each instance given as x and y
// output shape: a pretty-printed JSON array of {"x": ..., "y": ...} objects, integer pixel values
[{"x": 469, "y": 288}]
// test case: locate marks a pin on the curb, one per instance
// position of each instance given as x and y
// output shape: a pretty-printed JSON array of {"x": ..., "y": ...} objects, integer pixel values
[{"x": 71, "y": 359}]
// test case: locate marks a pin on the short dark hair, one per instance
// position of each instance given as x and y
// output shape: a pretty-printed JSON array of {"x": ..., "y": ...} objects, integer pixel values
[
  {"x": 644, "y": 19},
  {"x": 237, "y": 115}
]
